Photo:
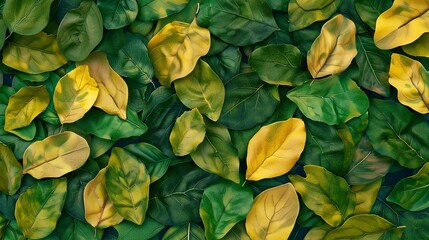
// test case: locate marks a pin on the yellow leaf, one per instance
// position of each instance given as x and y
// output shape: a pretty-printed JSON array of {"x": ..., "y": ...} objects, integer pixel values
[
  {"x": 24, "y": 106},
  {"x": 113, "y": 91},
  {"x": 99, "y": 209},
  {"x": 401, "y": 24},
  {"x": 412, "y": 81},
  {"x": 275, "y": 149},
  {"x": 334, "y": 49},
  {"x": 56, "y": 155},
  {"x": 176, "y": 49},
  {"x": 75, "y": 94},
  {"x": 273, "y": 213}
]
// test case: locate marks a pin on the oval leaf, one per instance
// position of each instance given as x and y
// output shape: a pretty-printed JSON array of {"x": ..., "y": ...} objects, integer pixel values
[
  {"x": 273, "y": 213},
  {"x": 334, "y": 49},
  {"x": 412, "y": 81},
  {"x": 176, "y": 49},
  {"x": 118, "y": 13},
  {"x": 187, "y": 133},
  {"x": 10, "y": 180},
  {"x": 270, "y": 154},
  {"x": 75, "y": 94},
  {"x": 56, "y": 155},
  {"x": 39, "y": 207},
  {"x": 127, "y": 183},
  {"x": 322, "y": 188}
]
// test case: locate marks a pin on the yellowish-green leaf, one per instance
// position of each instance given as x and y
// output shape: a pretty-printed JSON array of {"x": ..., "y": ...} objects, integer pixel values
[
  {"x": 24, "y": 106},
  {"x": 187, "y": 133},
  {"x": 365, "y": 196},
  {"x": 412, "y": 81},
  {"x": 334, "y": 49},
  {"x": 420, "y": 47},
  {"x": 99, "y": 209},
  {"x": 313, "y": 4},
  {"x": 11, "y": 169},
  {"x": 33, "y": 54},
  {"x": 401, "y": 24},
  {"x": 56, "y": 155},
  {"x": 176, "y": 49},
  {"x": 113, "y": 91},
  {"x": 273, "y": 213},
  {"x": 75, "y": 94},
  {"x": 318, "y": 233},
  {"x": 300, "y": 18},
  {"x": 275, "y": 149}
]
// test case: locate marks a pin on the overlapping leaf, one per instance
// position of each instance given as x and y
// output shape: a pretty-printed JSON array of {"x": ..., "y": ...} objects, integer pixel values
[
  {"x": 119, "y": 13},
  {"x": 10, "y": 180},
  {"x": 301, "y": 17},
  {"x": 150, "y": 10}
]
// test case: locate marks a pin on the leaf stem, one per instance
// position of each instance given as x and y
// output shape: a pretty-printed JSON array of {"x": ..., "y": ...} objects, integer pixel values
[
  {"x": 189, "y": 231},
  {"x": 245, "y": 181}
]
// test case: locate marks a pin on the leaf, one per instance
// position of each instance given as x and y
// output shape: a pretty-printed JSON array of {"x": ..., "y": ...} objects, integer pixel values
[
  {"x": 322, "y": 188},
  {"x": 366, "y": 195},
  {"x": 112, "y": 127},
  {"x": 187, "y": 133},
  {"x": 222, "y": 206},
  {"x": 128, "y": 230},
  {"x": 24, "y": 106},
  {"x": 71, "y": 228},
  {"x": 238, "y": 232},
  {"x": 279, "y": 64},
  {"x": 412, "y": 81},
  {"x": 418, "y": 47},
  {"x": 333, "y": 100},
  {"x": 127, "y": 183},
  {"x": 237, "y": 22},
  {"x": 216, "y": 154},
  {"x": 33, "y": 54},
  {"x": 10, "y": 180},
  {"x": 270, "y": 154},
  {"x": 397, "y": 133},
  {"x": 173, "y": 198},
  {"x": 119, "y": 13},
  {"x": 190, "y": 231},
  {"x": 56, "y": 155},
  {"x": 12, "y": 232},
  {"x": 150, "y": 10},
  {"x": 202, "y": 89},
  {"x": 300, "y": 18},
  {"x": 75, "y": 94},
  {"x": 273, "y": 213},
  {"x": 80, "y": 31},
  {"x": 248, "y": 102},
  {"x": 401, "y": 24},
  {"x": 334, "y": 49},
  {"x": 225, "y": 64},
  {"x": 99, "y": 209},
  {"x": 370, "y": 10},
  {"x": 368, "y": 225},
  {"x": 3, "y": 29},
  {"x": 113, "y": 91},
  {"x": 26, "y": 17},
  {"x": 367, "y": 165},
  {"x": 39, "y": 207},
  {"x": 411, "y": 193}
]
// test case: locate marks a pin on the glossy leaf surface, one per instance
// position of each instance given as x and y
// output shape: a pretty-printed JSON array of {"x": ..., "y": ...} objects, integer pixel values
[
  {"x": 10, "y": 180},
  {"x": 119, "y": 13}
]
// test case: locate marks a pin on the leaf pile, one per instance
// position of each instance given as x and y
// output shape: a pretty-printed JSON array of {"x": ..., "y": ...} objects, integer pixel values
[{"x": 214, "y": 119}]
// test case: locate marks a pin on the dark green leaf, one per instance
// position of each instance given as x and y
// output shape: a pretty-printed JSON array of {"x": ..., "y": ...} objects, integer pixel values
[
  {"x": 225, "y": 64},
  {"x": 71, "y": 228},
  {"x": 130, "y": 231},
  {"x": 369, "y": 10},
  {"x": 150, "y": 10},
  {"x": 118, "y": 13}
]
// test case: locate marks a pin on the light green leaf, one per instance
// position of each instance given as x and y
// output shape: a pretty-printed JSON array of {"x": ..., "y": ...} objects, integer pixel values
[
  {"x": 300, "y": 18},
  {"x": 150, "y": 10},
  {"x": 130, "y": 231},
  {"x": 365, "y": 196},
  {"x": 190, "y": 231},
  {"x": 318, "y": 232},
  {"x": 10, "y": 180},
  {"x": 118, "y": 13}
]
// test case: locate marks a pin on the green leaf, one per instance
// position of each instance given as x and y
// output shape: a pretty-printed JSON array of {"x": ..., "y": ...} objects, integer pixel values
[
  {"x": 365, "y": 196},
  {"x": 72, "y": 228},
  {"x": 80, "y": 31},
  {"x": 248, "y": 102},
  {"x": 127, "y": 183},
  {"x": 26, "y": 17},
  {"x": 333, "y": 100},
  {"x": 118, "y": 13},
  {"x": 322, "y": 188},
  {"x": 279, "y": 64},
  {"x": 4, "y": 222},
  {"x": 173, "y": 198},
  {"x": 300, "y": 17},
  {"x": 216, "y": 154},
  {"x": 39, "y": 207},
  {"x": 202, "y": 89},
  {"x": 150, "y": 10},
  {"x": 238, "y": 232},
  {"x": 10, "y": 180},
  {"x": 187, "y": 15},
  {"x": 3, "y": 29},
  {"x": 128, "y": 230},
  {"x": 369, "y": 10},
  {"x": 412, "y": 192},
  {"x": 190, "y": 231},
  {"x": 397, "y": 133},
  {"x": 225, "y": 64},
  {"x": 223, "y": 205},
  {"x": 12, "y": 232},
  {"x": 187, "y": 133},
  {"x": 237, "y": 22},
  {"x": 368, "y": 225},
  {"x": 112, "y": 127}
]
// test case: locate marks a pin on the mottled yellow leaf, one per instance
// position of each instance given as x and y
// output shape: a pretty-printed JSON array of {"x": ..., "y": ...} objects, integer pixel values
[
  {"x": 401, "y": 24},
  {"x": 334, "y": 49},
  {"x": 55, "y": 155},
  {"x": 11, "y": 169},
  {"x": 75, "y": 94},
  {"x": 412, "y": 81},
  {"x": 275, "y": 149},
  {"x": 176, "y": 49},
  {"x": 99, "y": 209},
  {"x": 366, "y": 195},
  {"x": 273, "y": 213},
  {"x": 113, "y": 91},
  {"x": 24, "y": 106},
  {"x": 420, "y": 47}
]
